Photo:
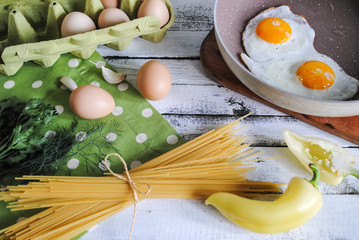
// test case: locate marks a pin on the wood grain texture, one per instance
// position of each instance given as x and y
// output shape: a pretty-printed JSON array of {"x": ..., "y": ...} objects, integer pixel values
[
  {"x": 179, "y": 45},
  {"x": 192, "y": 220},
  {"x": 216, "y": 68},
  {"x": 193, "y": 15}
]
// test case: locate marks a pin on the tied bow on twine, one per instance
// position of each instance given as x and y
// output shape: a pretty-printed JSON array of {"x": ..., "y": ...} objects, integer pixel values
[{"x": 133, "y": 185}]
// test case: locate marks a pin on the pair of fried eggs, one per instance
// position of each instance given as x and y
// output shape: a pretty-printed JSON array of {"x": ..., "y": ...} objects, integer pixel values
[{"x": 280, "y": 51}]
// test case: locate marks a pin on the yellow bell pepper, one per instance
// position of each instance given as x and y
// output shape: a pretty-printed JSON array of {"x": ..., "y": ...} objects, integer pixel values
[
  {"x": 299, "y": 203},
  {"x": 334, "y": 162}
]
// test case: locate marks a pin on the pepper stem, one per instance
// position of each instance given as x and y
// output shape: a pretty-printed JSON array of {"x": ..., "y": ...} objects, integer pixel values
[
  {"x": 355, "y": 172},
  {"x": 316, "y": 175}
]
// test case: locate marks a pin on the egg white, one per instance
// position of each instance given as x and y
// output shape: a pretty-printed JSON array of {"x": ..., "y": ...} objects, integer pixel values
[
  {"x": 301, "y": 41},
  {"x": 282, "y": 74}
]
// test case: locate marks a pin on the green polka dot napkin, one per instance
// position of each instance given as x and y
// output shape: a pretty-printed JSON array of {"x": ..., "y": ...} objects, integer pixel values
[{"x": 134, "y": 128}]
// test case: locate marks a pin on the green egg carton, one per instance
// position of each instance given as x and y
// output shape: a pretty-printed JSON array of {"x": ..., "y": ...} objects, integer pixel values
[{"x": 30, "y": 30}]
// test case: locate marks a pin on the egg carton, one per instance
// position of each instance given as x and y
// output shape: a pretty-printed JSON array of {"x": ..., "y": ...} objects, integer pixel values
[{"x": 30, "y": 30}]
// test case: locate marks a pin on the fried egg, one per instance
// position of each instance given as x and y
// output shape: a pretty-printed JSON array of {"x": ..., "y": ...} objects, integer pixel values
[
  {"x": 277, "y": 32},
  {"x": 315, "y": 76},
  {"x": 280, "y": 51}
]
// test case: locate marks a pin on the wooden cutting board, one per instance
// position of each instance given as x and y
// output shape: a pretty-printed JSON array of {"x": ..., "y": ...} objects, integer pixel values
[{"x": 214, "y": 65}]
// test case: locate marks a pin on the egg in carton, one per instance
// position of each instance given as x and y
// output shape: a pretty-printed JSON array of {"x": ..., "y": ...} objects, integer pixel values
[{"x": 30, "y": 30}]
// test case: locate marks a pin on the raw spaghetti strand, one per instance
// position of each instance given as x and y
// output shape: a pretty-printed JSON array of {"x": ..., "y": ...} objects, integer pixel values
[
  {"x": 132, "y": 184},
  {"x": 215, "y": 161}
]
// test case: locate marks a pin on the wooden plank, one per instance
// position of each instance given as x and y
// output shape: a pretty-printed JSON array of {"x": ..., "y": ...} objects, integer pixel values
[
  {"x": 192, "y": 219},
  {"x": 210, "y": 100},
  {"x": 176, "y": 44},
  {"x": 261, "y": 130},
  {"x": 195, "y": 15}
]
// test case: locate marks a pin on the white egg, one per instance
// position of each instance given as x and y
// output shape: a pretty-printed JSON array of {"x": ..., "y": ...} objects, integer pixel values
[
  {"x": 283, "y": 75},
  {"x": 301, "y": 39}
]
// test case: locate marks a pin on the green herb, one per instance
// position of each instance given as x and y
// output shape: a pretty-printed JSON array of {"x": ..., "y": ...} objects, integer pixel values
[
  {"x": 51, "y": 158},
  {"x": 46, "y": 160},
  {"x": 20, "y": 126},
  {"x": 92, "y": 146},
  {"x": 24, "y": 150}
]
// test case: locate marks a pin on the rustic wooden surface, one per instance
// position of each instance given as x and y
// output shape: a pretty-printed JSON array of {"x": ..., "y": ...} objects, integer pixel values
[{"x": 197, "y": 104}]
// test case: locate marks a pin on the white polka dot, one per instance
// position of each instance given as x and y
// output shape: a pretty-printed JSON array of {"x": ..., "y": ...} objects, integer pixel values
[
  {"x": 141, "y": 138},
  {"x": 172, "y": 139},
  {"x": 59, "y": 109},
  {"x": 147, "y": 112},
  {"x": 9, "y": 84},
  {"x": 111, "y": 137},
  {"x": 50, "y": 134},
  {"x": 81, "y": 136},
  {"x": 73, "y": 163},
  {"x": 102, "y": 165},
  {"x": 122, "y": 86},
  {"x": 135, "y": 164},
  {"x": 73, "y": 63},
  {"x": 21, "y": 219},
  {"x": 100, "y": 64},
  {"x": 37, "y": 84},
  {"x": 97, "y": 84},
  {"x": 117, "y": 111}
]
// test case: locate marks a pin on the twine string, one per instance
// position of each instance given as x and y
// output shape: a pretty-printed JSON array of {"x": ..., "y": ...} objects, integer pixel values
[{"x": 133, "y": 185}]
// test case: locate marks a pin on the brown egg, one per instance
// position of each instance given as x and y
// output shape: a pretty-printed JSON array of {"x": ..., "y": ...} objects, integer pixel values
[
  {"x": 91, "y": 102},
  {"x": 112, "y": 16},
  {"x": 154, "y": 80},
  {"x": 155, "y": 8},
  {"x": 109, "y": 3},
  {"x": 76, "y": 22}
]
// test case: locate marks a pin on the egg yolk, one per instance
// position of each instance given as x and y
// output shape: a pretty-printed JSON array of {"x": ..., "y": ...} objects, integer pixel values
[
  {"x": 274, "y": 30},
  {"x": 316, "y": 75}
]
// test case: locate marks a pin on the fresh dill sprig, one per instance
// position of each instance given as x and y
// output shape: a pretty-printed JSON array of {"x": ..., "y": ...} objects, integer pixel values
[{"x": 91, "y": 150}]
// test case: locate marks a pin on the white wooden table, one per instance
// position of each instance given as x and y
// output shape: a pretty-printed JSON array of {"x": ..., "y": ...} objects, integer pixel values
[{"x": 196, "y": 105}]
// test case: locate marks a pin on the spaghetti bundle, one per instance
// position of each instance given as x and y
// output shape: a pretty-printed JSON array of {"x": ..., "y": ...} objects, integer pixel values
[{"x": 216, "y": 161}]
